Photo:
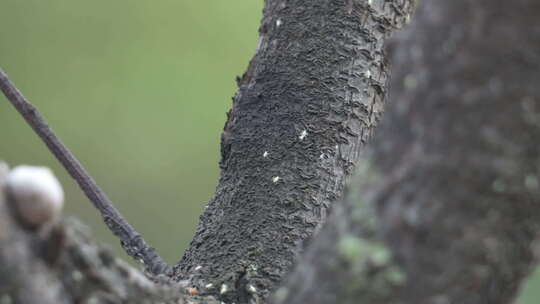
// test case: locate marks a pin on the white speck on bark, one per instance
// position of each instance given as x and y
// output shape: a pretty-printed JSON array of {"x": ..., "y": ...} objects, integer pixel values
[
  {"x": 223, "y": 289},
  {"x": 303, "y": 135},
  {"x": 251, "y": 289},
  {"x": 368, "y": 74}
]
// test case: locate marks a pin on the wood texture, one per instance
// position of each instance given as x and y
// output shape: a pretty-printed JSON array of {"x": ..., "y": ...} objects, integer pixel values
[
  {"x": 308, "y": 102},
  {"x": 447, "y": 211}
]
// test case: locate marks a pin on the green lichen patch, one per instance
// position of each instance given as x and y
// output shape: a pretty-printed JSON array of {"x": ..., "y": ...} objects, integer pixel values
[
  {"x": 353, "y": 249},
  {"x": 350, "y": 248}
]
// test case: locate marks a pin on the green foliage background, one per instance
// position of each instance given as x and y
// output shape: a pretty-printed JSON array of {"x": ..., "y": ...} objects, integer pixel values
[{"x": 138, "y": 89}]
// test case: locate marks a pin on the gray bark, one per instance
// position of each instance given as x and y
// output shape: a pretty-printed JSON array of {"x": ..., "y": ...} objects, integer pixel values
[
  {"x": 310, "y": 99},
  {"x": 62, "y": 264},
  {"x": 308, "y": 102},
  {"x": 447, "y": 209},
  {"x": 444, "y": 210}
]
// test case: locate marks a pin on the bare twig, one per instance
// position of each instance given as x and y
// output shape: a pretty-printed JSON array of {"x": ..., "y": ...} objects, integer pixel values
[{"x": 131, "y": 240}]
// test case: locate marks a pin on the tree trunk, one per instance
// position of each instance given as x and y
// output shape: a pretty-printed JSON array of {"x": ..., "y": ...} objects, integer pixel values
[
  {"x": 448, "y": 209},
  {"x": 306, "y": 105}
]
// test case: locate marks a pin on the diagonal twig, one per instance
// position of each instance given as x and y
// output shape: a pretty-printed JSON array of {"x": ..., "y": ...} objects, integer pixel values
[{"x": 131, "y": 240}]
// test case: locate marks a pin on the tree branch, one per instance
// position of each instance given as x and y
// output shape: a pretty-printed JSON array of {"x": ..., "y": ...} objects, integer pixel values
[
  {"x": 131, "y": 240},
  {"x": 308, "y": 102},
  {"x": 60, "y": 263},
  {"x": 448, "y": 209}
]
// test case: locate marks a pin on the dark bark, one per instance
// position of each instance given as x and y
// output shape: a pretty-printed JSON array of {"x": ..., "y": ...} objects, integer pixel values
[
  {"x": 445, "y": 210},
  {"x": 310, "y": 99},
  {"x": 306, "y": 105},
  {"x": 448, "y": 211}
]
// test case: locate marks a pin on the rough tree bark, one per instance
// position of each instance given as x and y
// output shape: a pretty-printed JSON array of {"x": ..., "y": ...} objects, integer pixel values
[
  {"x": 64, "y": 265},
  {"x": 310, "y": 99},
  {"x": 447, "y": 206},
  {"x": 306, "y": 105},
  {"x": 448, "y": 210}
]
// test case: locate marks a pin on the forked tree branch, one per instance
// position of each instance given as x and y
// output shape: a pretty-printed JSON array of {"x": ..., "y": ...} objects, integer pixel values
[{"x": 132, "y": 242}]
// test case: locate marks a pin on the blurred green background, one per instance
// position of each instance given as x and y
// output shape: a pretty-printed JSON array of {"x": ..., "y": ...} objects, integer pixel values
[{"x": 138, "y": 90}]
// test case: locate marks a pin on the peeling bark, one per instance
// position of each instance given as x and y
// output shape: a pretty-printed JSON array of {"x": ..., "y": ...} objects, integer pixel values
[
  {"x": 306, "y": 105},
  {"x": 448, "y": 211}
]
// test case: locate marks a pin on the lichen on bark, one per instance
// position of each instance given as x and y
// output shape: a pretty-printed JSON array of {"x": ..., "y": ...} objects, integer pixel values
[{"x": 457, "y": 200}]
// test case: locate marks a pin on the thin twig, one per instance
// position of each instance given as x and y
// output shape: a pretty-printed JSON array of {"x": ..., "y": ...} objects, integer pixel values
[{"x": 131, "y": 240}]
